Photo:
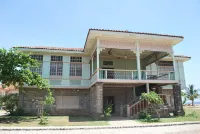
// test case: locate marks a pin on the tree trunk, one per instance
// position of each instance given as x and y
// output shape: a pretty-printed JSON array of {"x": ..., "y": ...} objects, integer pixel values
[{"x": 192, "y": 102}]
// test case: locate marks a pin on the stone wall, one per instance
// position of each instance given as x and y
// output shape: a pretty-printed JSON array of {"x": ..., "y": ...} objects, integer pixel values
[{"x": 30, "y": 98}]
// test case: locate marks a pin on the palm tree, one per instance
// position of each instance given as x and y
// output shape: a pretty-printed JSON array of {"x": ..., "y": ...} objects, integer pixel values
[{"x": 191, "y": 93}]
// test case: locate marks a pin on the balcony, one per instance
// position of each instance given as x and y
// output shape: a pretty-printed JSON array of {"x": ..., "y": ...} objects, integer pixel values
[{"x": 131, "y": 76}]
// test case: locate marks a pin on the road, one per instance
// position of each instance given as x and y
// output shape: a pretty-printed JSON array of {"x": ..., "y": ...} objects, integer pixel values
[{"x": 183, "y": 129}]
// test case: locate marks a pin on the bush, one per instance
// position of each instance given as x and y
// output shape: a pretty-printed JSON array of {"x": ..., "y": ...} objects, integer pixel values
[
  {"x": 107, "y": 111},
  {"x": 10, "y": 102},
  {"x": 43, "y": 120}
]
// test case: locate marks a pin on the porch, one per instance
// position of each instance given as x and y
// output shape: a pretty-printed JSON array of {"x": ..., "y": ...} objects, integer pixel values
[
  {"x": 124, "y": 98},
  {"x": 125, "y": 66}
]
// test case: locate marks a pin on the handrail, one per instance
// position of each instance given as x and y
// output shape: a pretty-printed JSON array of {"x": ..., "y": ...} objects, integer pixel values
[
  {"x": 131, "y": 101},
  {"x": 118, "y": 70},
  {"x": 136, "y": 103}
]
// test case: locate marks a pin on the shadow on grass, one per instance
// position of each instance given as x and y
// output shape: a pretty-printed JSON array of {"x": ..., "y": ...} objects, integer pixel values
[{"x": 16, "y": 119}]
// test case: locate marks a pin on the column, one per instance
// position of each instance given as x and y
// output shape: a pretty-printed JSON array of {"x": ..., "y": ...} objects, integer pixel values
[
  {"x": 147, "y": 87},
  {"x": 138, "y": 60},
  {"x": 92, "y": 65},
  {"x": 178, "y": 106},
  {"x": 174, "y": 63},
  {"x": 99, "y": 98},
  {"x": 98, "y": 52}
]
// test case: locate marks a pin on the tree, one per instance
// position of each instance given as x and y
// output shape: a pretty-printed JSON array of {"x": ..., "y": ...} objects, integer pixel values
[
  {"x": 14, "y": 70},
  {"x": 183, "y": 94},
  {"x": 191, "y": 93},
  {"x": 154, "y": 99}
]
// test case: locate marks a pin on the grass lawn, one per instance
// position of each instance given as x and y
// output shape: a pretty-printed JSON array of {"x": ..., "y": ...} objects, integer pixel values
[
  {"x": 188, "y": 110},
  {"x": 32, "y": 121}
]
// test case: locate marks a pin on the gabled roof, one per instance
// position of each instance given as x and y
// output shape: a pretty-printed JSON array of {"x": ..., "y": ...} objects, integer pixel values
[{"x": 126, "y": 31}]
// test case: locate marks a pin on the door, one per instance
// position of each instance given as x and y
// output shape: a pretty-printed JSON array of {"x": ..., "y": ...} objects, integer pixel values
[
  {"x": 109, "y": 100},
  {"x": 110, "y": 73}
]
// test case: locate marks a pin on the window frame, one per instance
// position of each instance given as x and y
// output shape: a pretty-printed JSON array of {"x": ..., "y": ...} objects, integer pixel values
[
  {"x": 56, "y": 66},
  {"x": 38, "y": 69},
  {"x": 76, "y": 68}
]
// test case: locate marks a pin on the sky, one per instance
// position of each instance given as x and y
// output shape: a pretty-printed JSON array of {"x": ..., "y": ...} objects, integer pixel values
[{"x": 65, "y": 23}]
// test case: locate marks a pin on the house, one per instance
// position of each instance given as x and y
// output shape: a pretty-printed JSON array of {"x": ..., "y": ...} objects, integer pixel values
[{"x": 113, "y": 67}]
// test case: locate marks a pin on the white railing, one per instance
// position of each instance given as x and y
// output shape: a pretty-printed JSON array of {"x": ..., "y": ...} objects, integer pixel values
[
  {"x": 142, "y": 105},
  {"x": 157, "y": 75},
  {"x": 118, "y": 74},
  {"x": 133, "y": 74}
]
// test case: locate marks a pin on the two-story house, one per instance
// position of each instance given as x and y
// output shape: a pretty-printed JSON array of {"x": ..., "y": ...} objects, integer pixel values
[{"x": 113, "y": 67}]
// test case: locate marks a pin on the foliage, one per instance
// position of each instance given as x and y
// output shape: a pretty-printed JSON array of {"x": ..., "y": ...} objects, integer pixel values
[
  {"x": 14, "y": 70},
  {"x": 193, "y": 114},
  {"x": 191, "y": 93},
  {"x": 183, "y": 94},
  {"x": 107, "y": 111},
  {"x": 10, "y": 101},
  {"x": 43, "y": 120},
  {"x": 154, "y": 99}
]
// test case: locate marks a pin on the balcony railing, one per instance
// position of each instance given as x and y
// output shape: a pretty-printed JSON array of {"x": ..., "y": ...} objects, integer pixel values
[
  {"x": 131, "y": 75},
  {"x": 118, "y": 74},
  {"x": 157, "y": 75}
]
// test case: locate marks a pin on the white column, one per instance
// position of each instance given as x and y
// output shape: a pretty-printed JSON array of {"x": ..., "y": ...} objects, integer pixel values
[
  {"x": 92, "y": 65},
  {"x": 147, "y": 87},
  {"x": 98, "y": 52},
  {"x": 174, "y": 63},
  {"x": 138, "y": 60}
]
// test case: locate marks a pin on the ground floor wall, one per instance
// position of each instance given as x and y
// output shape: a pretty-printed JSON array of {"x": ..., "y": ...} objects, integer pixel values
[
  {"x": 67, "y": 101},
  {"x": 87, "y": 101}
]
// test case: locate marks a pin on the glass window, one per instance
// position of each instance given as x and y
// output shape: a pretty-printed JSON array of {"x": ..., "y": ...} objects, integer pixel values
[
  {"x": 75, "y": 68},
  {"x": 38, "y": 69},
  {"x": 56, "y": 66}
]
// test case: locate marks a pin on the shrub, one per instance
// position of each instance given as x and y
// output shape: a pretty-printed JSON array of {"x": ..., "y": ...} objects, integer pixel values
[
  {"x": 43, "y": 120},
  {"x": 10, "y": 102},
  {"x": 107, "y": 111}
]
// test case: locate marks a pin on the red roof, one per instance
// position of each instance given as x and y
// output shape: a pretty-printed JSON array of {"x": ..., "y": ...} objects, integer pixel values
[{"x": 51, "y": 48}]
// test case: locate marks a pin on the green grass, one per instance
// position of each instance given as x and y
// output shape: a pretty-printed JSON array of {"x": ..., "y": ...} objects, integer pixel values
[
  {"x": 32, "y": 121},
  {"x": 188, "y": 110}
]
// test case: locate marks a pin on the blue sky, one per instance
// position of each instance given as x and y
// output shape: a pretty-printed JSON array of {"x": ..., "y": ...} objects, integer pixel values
[{"x": 64, "y": 23}]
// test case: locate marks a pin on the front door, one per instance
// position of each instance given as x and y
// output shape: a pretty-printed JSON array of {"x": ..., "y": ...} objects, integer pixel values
[{"x": 109, "y": 100}]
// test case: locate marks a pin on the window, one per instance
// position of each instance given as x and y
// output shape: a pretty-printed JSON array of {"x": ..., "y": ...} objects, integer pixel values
[
  {"x": 108, "y": 63},
  {"x": 56, "y": 66},
  {"x": 67, "y": 102},
  {"x": 76, "y": 66},
  {"x": 165, "y": 66},
  {"x": 38, "y": 69}
]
